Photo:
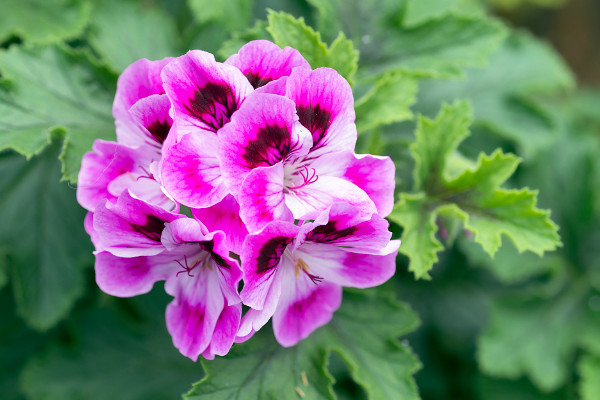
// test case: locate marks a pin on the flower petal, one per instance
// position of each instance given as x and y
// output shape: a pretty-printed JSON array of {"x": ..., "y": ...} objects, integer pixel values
[
  {"x": 263, "y": 132},
  {"x": 224, "y": 216},
  {"x": 261, "y": 198},
  {"x": 203, "y": 92},
  {"x": 130, "y": 227},
  {"x": 190, "y": 171},
  {"x": 262, "y": 61},
  {"x": 325, "y": 106},
  {"x": 140, "y": 79},
  {"x": 303, "y": 307},
  {"x": 192, "y": 316},
  {"x": 318, "y": 196},
  {"x": 127, "y": 277},
  {"x": 152, "y": 116},
  {"x": 225, "y": 332},
  {"x": 261, "y": 257}
]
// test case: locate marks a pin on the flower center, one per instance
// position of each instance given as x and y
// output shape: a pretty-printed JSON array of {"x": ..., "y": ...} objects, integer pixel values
[
  {"x": 188, "y": 268},
  {"x": 301, "y": 177}
]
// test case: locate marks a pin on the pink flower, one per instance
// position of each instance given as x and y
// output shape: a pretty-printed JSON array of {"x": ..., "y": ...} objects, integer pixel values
[
  {"x": 139, "y": 244},
  {"x": 205, "y": 94},
  {"x": 295, "y": 274}
]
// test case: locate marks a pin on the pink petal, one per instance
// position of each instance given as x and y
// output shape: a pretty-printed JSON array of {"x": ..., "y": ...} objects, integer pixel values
[
  {"x": 261, "y": 256},
  {"x": 303, "y": 307},
  {"x": 130, "y": 227},
  {"x": 127, "y": 277},
  {"x": 347, "y": 268},
  {"x": 224, "y": 216},
  {"x": 139, "y": 80},
  {"x": 262, "y": 61},
  {"x": 262, "y": 133},
  {"x": 152, "y": 116},
  {"x": 225, "y": 332},
  {"x": 318, "y": 196},
  {"x": 192, "y": 316},
  {"x": 191, "y": 173},
  {"x": 261, "y": 198},
  {"x": 325, "y": 106},
  {"x": 203, "y": 92},
  {"x": 88, "y": 225}
]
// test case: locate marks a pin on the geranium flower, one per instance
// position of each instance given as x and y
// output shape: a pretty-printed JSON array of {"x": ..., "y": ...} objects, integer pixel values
[
  {"x": 295, "y": 274},
  {"x": 205, "y": 94},
  {"x": 140, "y": 244}
]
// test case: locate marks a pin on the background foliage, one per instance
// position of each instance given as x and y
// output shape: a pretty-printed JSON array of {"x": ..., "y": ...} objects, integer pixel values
[{"x": 477, "y": 115}]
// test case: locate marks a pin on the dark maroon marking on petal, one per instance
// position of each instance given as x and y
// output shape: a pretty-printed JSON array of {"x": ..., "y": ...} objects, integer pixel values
[
  {"x": 152, "y": 229},
  {"x": 271, "y": 252},
  {"x": 271, "y": 145},
  {"x": 159, "y": 130},
  {"x": 256, "y": 80},
  {"x": 213, "y": 105},
  {"x": 329, "y": 233},
  {"x": 316, "y": 120},
  {"x": 220, "y": 261}
]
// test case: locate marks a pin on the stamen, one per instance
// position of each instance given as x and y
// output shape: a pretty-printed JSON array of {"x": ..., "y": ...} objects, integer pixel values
[
  {"x": 300, "y": 265},
  {"x": 306, "y": 179},
  {"x": 147, "y": 176},
  {"x": 186, "y": 268}
]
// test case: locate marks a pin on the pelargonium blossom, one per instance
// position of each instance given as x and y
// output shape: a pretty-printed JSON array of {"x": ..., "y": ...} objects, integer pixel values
[
  {"x": 260, "y": 152},
  {"x": 295, "y": 274},
  {"x": 139, "y": 244}
]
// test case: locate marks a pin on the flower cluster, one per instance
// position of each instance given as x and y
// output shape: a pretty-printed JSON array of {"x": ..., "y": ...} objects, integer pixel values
[{"x": 237, "y": 170}]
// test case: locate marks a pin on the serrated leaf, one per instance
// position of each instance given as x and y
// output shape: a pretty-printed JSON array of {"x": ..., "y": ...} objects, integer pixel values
[
  {"x": 536, "y": 337},
  {"x": 589, "y": 371},
  {"x": 44, "y": 21},
  {"x": 122, "y": 32},
  {"x": 232, "y": 14},
  {"x": 363, "y": 332},
  {"x": 53, "y": 90},
  {"x": 502, "y": 92},
  {"x": 42, "y": 230},
  {"x": 388, "y": 101},
  {"x": 112, "y": 357},
  {"x": 419, "y": 243},
  {"x": 435, "y": 140},
  {"x": 289, "y": 31}
]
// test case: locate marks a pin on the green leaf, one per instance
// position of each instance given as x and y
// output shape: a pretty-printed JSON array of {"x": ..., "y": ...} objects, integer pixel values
[
  {"x": 419, "y": 243},
  {"x": 289, "y": 31},
  {"x": 419, "y": 11},
  {"x": 44, "y": 21},
  {"x": 3, "y": 267},
  {"x": 589, "y": 371},
  {"x": 112, "y": 357},
  {"x": 122, "y": 32},
  {"x": 53, "y": 90},
  {"x": 439, "y": 48},
  {"x": 231, "y": 14},
  {"x": 536, "y": 337},
  {"x": 472, "y": 196},
  {"x": 388, "y": 101},
  {"x": 435, "y": 140},
  {"x": 42, "y": 230},
  {"x": 503, "y": 93},
  {"x": 363, "y": 332},
  {"x": 238, "y": 39}
]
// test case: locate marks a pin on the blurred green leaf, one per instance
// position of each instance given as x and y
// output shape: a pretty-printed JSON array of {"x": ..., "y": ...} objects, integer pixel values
[
  {"x": 238, "y": 39},
  {"x": 122, "y": 32},
  {"x": 419, "y": 11},
  {"x": 44, "y": 21},
  {"x": 289, "y": 31},
  {"x": 42, "y": 230},
  {"x": 52, "y": 90},
  {"x": 232, "y": 14},
  {"x": 502, "y": 94},
  {"x": 589, "y": 371},
  {"x": 112, "y": 357},
  {"x": 388, "y": 101},
  {"x": 363, "y": 332}
]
